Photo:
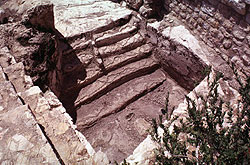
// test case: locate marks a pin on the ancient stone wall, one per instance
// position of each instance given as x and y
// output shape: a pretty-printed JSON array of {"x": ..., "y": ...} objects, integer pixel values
[{"x": 223, "y": 25}]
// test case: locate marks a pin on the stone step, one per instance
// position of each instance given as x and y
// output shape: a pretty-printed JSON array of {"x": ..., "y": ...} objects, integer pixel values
[
  {"x": 122, "y": 46},
  {"x": 117, "y": 99},
  {"x": 111, "y": 63},
  {"x": 114, "y": 62},
  {"x": 93, "y": 16},
  {"x": 114, "y": 35},
  {"x": 106, "y": 35},
  {"x": 114, "y": 79},
  {"x": 122, "y": 20},
  {"x": 83, "y": 40}
]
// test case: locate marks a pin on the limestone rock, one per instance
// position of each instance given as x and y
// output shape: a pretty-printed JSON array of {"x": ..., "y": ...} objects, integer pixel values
[
  {"x": 239, "y": 34},
  {"x": 32, "y": 47},
  {"x": 6, "y": 58},
  {"x": 146, "y": 11},
  {"x": 183, "y": 56},
  {"x": 90, "y": 15},
  {"x": 207, "y": 8},
  {"x": 21, "y": 138},
  {"x": 17, "y": 76},
  {"x": 227, "y": 43},
  {"x": 144, "y": 153}
]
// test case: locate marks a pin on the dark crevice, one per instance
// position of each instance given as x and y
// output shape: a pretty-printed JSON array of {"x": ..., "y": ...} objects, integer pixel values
[
  {"x": 52, "y": 145},
  {"x": 21, "y": 99}
]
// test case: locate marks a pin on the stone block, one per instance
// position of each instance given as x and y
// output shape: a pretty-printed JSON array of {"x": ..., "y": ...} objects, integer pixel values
[
  {"x": 227, "y": 25},
  {"x": 203, "y": 15},
  {"x": 238, "y": 33},
  {"x": 18, "y": 78},
  {"x": 238, "y": 6},
  {"x": 40, "y": 16},
  {"x": 183, "y": 55},
  {"x": 8, "y": 98},
  {"x": 208, "y": 8},
  {"x": 227, "y": 43},
  {"x": 214, "y": 23}
]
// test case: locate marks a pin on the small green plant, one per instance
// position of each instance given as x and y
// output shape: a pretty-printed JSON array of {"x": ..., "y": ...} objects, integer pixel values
[{"x": 213, "y": 142}]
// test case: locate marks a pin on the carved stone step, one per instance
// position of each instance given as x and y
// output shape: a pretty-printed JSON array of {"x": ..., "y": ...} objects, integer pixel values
[
  {"x": 114, "y": 79},
  {"x": 93, "y": 72},
  {"x": 114, "y": 36},
  {"x": 122, "y": 46},
  {"x": 114, "y": 62},
  {"x": 117, "y": 99}
]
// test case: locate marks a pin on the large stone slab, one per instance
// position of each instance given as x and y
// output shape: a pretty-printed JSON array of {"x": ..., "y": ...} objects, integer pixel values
[
  {"x": 122, "y": 46},
  {"x": 73, "y": 18}
]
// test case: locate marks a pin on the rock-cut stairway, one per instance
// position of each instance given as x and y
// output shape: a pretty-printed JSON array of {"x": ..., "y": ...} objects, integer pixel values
[
  {"x": 112, "y": 84},
  {"x": 122, "y": 71},
  {"x": 113, "y": 59},
  {"x": 118, "y": 69}
]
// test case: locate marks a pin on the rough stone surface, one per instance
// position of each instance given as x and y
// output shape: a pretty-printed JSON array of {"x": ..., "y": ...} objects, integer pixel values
[
  {"x": 22, "y": 140},
  {"x": 113, "y": 78},
  {"x": 208, "y": 9},
  {"x": 239, "y": 34},
  {"x": 185, "y": 58},
  {"x": 121, "y": 97},
  {"x": 230, "y": 37},
  {"x": 17, "y": 76},
  {"x": 90, "y": 15},
  {"x": 40, "y": 16},
  {"x": 60, "y": 129}
]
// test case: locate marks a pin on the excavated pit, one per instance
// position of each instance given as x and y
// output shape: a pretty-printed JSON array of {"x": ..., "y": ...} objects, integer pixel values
[
  {"x": 114, "y": 84},
  {"x": 112, "y": 80},
  {"x": 111, "y": 75}
]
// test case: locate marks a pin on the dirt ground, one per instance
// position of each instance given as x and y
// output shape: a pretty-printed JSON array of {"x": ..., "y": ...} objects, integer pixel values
[{"x": 119, "y": 134}]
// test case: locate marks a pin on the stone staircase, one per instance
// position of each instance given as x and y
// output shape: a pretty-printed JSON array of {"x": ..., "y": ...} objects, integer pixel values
[
  {"x": 119, "y": 68},
  {"x": 111, "y": 58}
]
